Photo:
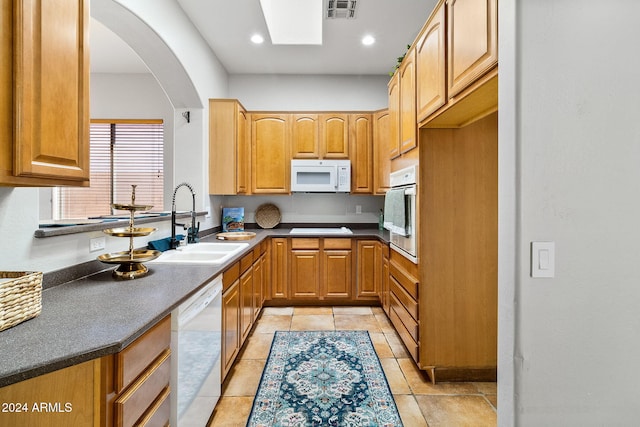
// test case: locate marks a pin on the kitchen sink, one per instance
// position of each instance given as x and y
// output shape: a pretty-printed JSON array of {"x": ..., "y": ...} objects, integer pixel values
[
  {"x": 201, "y": 253},
  {"x": 320, "y": 230}
]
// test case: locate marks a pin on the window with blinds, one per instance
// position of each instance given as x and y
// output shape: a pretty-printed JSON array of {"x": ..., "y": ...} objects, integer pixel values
[{"x": 123, "y": 152}]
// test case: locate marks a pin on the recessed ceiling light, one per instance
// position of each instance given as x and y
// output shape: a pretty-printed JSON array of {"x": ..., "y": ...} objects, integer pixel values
[
  {"x": 368, "y": 40},
  {"x": 257, "y": 38}
]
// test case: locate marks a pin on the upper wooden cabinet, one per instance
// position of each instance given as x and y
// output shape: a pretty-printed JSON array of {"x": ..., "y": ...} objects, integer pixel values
[
  {"x": 360, "y": 139},
  {"x": 394, "y": 116},
  {"x": 472, "y": 41},
  {"x": 305, "y": 140},
  {"x": 381, "y": 161},
  {"x": 44, "y": 93},
  {"x": 334, "y": 136},
  {"x": 270, "y": 153},
  {"x": 408, "y": 124},
  {"x": 229, "y": 160},
  {"x": 320, "y": 136},
  {"x": 431, "y": 83}
]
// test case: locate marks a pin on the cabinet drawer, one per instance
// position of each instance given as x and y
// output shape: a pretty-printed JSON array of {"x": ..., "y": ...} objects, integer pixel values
[
  {"x": 159, "y": 413},
  {"x": 409, "y": 283},
  {"x": 230, "y": 276},
  {"x": 134, "y": 359},
  {"x": 409, "y": 323},
  {"x": 404, "y": 298},
  {"x": 141, "y": 395},
  {"x": 337, "y": 243},
  {"x": 305, "y": 243},
  {"x": 246, "y": 262},
  {"x": 405, "y": 336}
]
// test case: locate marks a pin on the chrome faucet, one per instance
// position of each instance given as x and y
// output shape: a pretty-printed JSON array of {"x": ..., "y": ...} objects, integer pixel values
[{"x": 192, "y": 232}]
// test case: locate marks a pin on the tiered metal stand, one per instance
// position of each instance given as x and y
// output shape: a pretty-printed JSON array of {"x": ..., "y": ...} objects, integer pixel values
[{"x": 130, "y": 261}]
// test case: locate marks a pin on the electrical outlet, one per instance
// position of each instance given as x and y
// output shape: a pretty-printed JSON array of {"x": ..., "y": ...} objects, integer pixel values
[
  {"x": 358, "y": 209},
  {"x": 97, "y": 243}
]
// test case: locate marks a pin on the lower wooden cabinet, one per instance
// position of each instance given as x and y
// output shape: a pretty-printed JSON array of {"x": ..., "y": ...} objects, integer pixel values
[
  {"x": 382, "y": 257},
  {"x": 244, "y": 286},
  {"x": 367, "y": 282},
  {"x": 230, "y": 320},
  {"x": 279, "y": 288},
  {"x": 328, "y": 269},
  {"x": 336, "y": 273},
  {"x": 125, "y": 389},
  {"x": 304, "y": 264},
  {"x": 65, "y": 397},
  {"x": 246, "y": 303},
  {"x": 321, "y": 268},
  {"x": 403, "y": 301},
  {"x": 140, "y": 402}
]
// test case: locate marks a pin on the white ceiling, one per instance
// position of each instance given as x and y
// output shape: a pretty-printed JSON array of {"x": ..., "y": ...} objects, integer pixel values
[{"x": 228, "y": 25}]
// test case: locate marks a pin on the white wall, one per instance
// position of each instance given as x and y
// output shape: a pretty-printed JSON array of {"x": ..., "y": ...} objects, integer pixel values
[
  {"x": 577, "y": 143},
  {"x": 280, "y": 92}
]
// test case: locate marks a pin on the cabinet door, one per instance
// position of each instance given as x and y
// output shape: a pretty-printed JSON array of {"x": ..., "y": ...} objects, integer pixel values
[
  {"x": 246, "y": 303},
  {"x": 279, "y": 268},
  {"x": 472, "y": 42},
  {"x": 258, "y": 285},
  {"x": 430, "y": 65},
  {"x": 394, "y": 116},
  {"x": 305, "y": 136},
  {"x": 266, "y": 273},
  {"x": 385, "y": 272},
  {"x": 228, "y": 147},
  {"x": 334, "y": 136},
  {"x": 230, "y": 326},
  {"x": 366, "y": 266},
  {"x": 408, "y": 123},
  {"x": 336, "y": 273},
  {"x": 45, "y": 115},
  {"x": 243, "y": 161},
  {"x": 360, "y": 139},
  {"x": 75, "y": 387},
  {"x": 270, "y": 153},
  {"x": 381, "y": 161},
  {"x": 305, "y": 273}
]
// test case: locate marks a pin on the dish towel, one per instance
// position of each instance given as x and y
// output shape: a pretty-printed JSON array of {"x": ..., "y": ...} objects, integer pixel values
[
  {"x": 163, "y": 244},
  {"x": 395, "y": 212}
]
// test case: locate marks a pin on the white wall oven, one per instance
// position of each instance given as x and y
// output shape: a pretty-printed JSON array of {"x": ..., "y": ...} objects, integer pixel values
[{"x": 400, "y": 212}]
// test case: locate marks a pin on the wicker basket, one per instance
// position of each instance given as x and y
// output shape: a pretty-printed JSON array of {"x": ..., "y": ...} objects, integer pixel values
[
  {"x": 20, "y": 297},
  {"x": 267, "y": 215}
]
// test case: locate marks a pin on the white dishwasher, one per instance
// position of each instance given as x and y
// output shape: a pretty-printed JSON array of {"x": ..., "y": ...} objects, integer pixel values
[{"x": 195, "y": 356}]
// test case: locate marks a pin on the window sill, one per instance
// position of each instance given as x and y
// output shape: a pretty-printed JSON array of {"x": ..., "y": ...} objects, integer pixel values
[{"x": 107, "y": 223}]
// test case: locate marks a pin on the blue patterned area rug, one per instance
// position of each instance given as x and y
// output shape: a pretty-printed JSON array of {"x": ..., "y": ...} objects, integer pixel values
[{"x": 323, "y": 378}]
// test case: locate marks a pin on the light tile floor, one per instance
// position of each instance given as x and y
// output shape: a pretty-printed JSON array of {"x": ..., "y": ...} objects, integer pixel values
[{"x": 419, "y": 402}]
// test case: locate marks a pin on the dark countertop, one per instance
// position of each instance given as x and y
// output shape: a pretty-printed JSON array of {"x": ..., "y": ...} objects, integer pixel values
[{"x": 97, "y": 315}]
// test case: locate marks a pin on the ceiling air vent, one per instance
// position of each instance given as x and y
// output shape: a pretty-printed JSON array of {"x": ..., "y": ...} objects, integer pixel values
[{"x": 341, "y": 9}]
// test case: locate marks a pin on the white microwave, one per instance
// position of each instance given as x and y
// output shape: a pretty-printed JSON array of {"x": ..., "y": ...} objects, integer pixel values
[{"x": 321, "y": 176}]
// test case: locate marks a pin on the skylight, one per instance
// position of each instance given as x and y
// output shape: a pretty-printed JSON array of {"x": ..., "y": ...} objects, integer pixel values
[{"x": 293, "y": 21}]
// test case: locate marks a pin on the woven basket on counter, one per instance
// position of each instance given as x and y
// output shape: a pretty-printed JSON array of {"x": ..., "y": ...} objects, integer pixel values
[
  {"x": 267, "y": 215},
  {"x": 20, "y": 297}
]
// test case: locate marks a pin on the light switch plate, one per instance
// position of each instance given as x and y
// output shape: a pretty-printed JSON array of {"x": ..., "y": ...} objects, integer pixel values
[{"x": 543, "y": 262}]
